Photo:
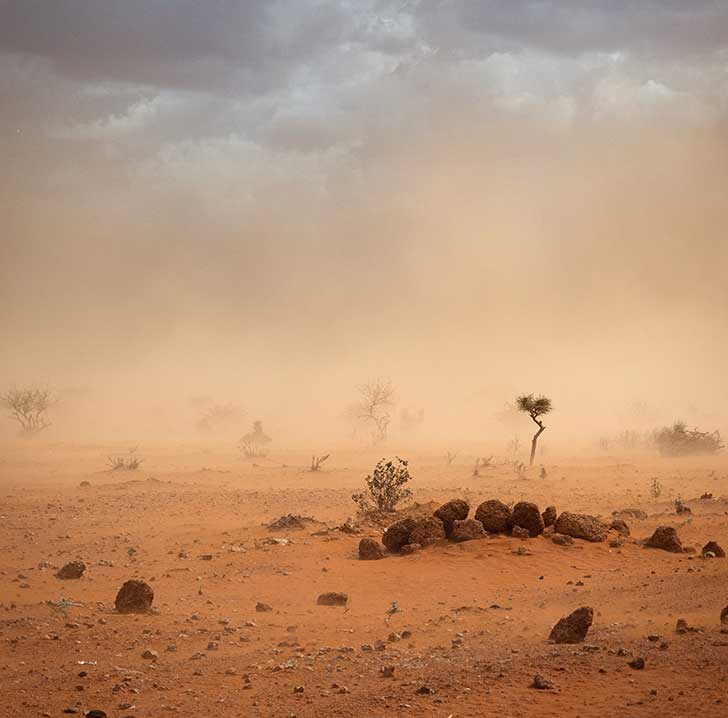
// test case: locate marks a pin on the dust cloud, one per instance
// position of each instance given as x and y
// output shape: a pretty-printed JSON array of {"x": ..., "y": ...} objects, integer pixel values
[{"x": 467, "y": 264}]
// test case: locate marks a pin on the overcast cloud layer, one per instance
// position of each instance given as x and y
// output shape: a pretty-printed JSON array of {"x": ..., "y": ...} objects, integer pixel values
[{"x": 225, "y": 184}]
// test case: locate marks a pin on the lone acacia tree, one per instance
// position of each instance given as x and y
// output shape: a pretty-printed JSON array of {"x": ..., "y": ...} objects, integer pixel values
[{"x": 534, "y": 407}]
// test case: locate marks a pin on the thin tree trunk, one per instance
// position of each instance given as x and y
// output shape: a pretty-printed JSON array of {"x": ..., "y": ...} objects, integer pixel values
[{"x": 540, "y": 431}]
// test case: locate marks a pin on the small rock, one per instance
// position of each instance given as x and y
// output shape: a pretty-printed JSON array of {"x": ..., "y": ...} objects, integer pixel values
[
  {"x": 562, "y": 540},
  {"x": 518, "y": 532},
  {"x": 370, "y": 550},
  {"x": 150, "y": 655},
  {"x": 527, "y": 515},
  {"x": 581, "y": 526},
  {"x": 134, "y": 597},
  {"x": 261, "y": 607},
  {"x": 665, "y": 538},
  {"x": 398, "y": 534},
  {"x": 333, "y": 599},
  {"x": 541, "y": 683},
  {"x": 467, "y": 530},
  {"x": 549, "y": 516},
  {"x": 72, "y": 570},
  {"x": 620, "y": 526},
  {"x": 427, "y": 531},
  {"x": 714, "y": 548},
  {"x": 495, "y": 516},
  {"x": 410, "y": 548},
  {"x": 574, "y": 627},
  {"x": 452, "y": 511},
  {"x": 637, "y": 663}
]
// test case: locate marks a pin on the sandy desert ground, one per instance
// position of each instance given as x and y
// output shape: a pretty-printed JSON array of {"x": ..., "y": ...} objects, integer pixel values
[{"x": 473, "y": 620}]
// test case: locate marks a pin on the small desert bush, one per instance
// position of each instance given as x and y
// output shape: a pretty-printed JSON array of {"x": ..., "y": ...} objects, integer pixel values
[
  {"x": 253, "y": 444},
  {"x": 678, "y": 440},
  {"x": 130, "y": 462},
  {"x": 386, "y": 486}
]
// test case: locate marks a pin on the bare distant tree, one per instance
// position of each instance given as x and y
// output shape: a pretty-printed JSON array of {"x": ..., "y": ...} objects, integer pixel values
[
  {"x": 28, "y": 406},
  {"x": 535, "y": 407},
  {"x": 374, "y": 407}
]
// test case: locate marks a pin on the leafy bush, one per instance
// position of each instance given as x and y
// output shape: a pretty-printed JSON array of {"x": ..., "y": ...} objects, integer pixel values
[
  {"x": 385, "y": 486},
  {"x": 678, "y": 440}
]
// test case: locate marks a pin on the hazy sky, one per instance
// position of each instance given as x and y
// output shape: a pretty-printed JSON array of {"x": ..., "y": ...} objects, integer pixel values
[{"x": 286, "y": 196}]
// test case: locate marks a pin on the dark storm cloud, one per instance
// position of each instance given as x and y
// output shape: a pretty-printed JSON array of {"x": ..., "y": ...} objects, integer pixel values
[
  {"x": 647, "y": 27},
  {"x": 185, "y": 43}
]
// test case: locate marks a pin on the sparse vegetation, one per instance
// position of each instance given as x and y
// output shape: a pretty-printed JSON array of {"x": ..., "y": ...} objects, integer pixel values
[
  {"x": 386, "y": 486},
  {"x": 317, "y": 461},
  {"x": 535, "y": 407},
  {"x": 655, "y": 489},
  {"x": 253, "y": 444},
  {"x": 481, "y": 463},
  {"x": 127, "y": 462},
  {"x": 28, "y": 407},
  {"x": 678, "y": 440}
]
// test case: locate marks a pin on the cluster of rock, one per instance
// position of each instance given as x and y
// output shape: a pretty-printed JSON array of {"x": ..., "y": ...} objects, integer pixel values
[
  {"x": 524, "y": 520},
  {"x": 452, "y": 521}
]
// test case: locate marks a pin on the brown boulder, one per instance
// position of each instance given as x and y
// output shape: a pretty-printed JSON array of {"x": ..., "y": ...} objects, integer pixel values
[
  {"x": 452, "y": 511},
  {"x": 581, "y": 526},
  {"x": 134, "y": 597},
  {"x": 427, "y": 531},
  {"x": 724, "y": 616},
  {"x": 467, "y": 530},
  {"x": 495, "y": 516},
  {"x": 549, "y": 516},
  {"x": 527, "y": 516},
  {"x": 714, "y": 548},
  {"x": 397, "y": 535},
  {"x": 574, "y": 627},
  {"x": 72, "y": 570},
  {"x": 370, "y": 550},
  {"x": 665, "y": 538}
]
